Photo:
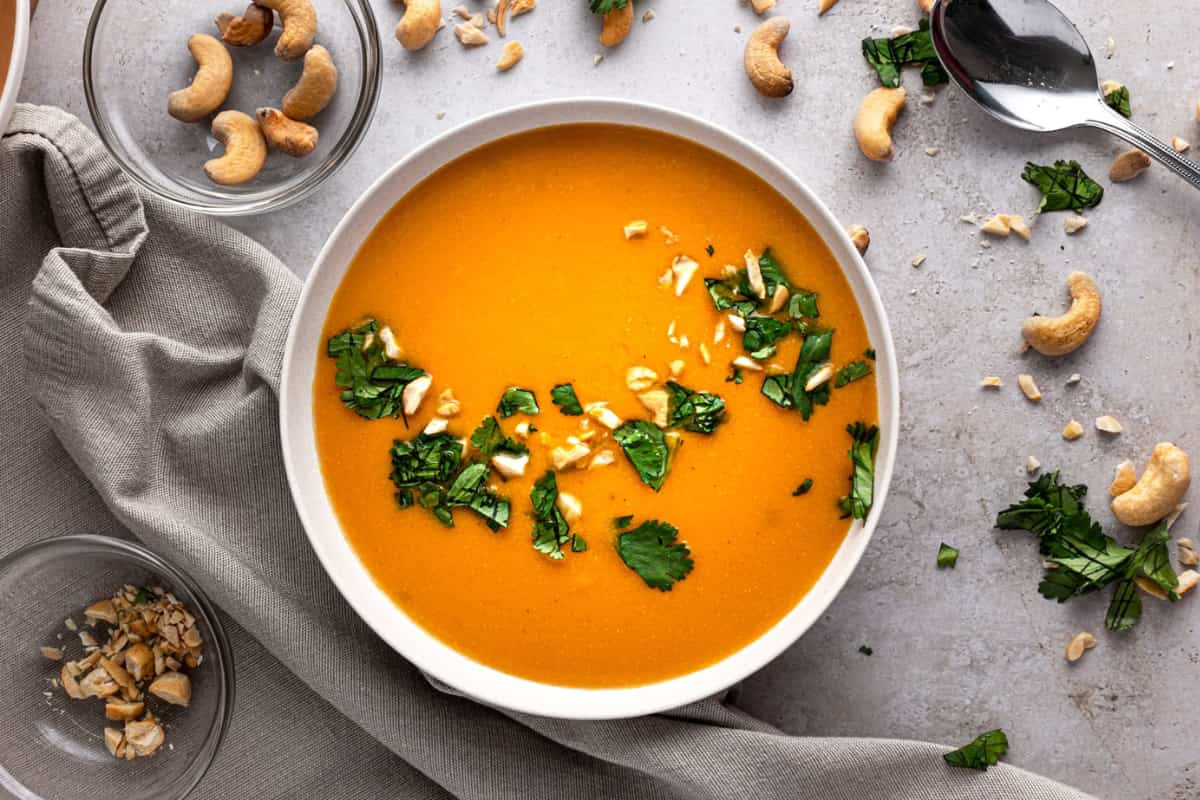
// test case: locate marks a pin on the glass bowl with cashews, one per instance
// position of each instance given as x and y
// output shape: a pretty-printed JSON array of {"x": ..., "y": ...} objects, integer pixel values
[{"x": 228, "y": 107}]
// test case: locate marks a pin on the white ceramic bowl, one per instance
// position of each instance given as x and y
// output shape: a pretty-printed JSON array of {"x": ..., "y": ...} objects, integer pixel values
[
  {"x": 351, "y": 577},
  {"x": 16, "y": 65}
]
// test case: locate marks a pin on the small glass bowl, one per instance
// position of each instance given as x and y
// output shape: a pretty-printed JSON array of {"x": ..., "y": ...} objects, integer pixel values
[
  {"x": 52, "y": 747},
  {"x": 136, "y": 54}
]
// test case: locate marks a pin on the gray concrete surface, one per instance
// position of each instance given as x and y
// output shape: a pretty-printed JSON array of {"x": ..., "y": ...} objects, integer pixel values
[{"x": 955, "y": 652}]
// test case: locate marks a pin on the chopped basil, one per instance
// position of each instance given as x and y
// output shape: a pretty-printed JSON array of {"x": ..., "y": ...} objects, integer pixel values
[
  {"x": 488, "y": 439},
  {"x": 563, "y": 396},
  {"x": 646, "y": 448},
  {"x": 947, "y": 556},
  {"x": 551, "y": 531},
  {"x": 371, "y": 383},
  {"x": 653, "y": 551},
  {"x": 761, "y": 336},
  {"x": 578, "y": 544},
  {"x": 887, "y": 56},
  {"x": 1118, "y": 100},
  {"x": 517, "y": 401},
  {"x": 858, "y": 503},
  {"x": 804, "y": 487},
  {"x": 1151, "y": 561},
  {"x": 700, "y": 412},
  {"x": 1064, "y": 186},
  {"x": 850, "y": 373},
  {"x": 984, "y": 751}
]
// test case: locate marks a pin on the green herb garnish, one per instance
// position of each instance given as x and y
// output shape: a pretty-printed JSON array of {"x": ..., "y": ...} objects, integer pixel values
[
  {"x": 772, "y": 274},
  {"x": 468, "y": 491},
  {"x": 426, "y": 472},
  {"x": 700, "y": 412},
  {"x": 803, "y": 305},
  {"x": 551, "y": 531},
  {"x": 653, "y": 552},
  {"x": 761, "y": 336},
  {"x": 947, "y": 556},
  {"x": 850, "y": 373},
  {"x": 563, "y": 396},
  {"x": 734, "y": 376},
  {"x": 620, "y": 523},
  {"x": 1118, "y": 100},
  {"x": 858, "y": 503},
  {"x": 984, "y": 751},
  {"x": 887, "y": 56},
  {"x": 605, "y": 6},
  {"x": 517, "y": 401},
  {"x": 1064, "y": 186},
  {"x": 1151, "y": 562},
  {"x": 724, "y": 294},
  {"x": 804, "y": 487},
  {"x": 646, "y": 448},
  {"x": 788, "y": 390},
  {"x": 710, "y": 249},
  {"x": 371, "y": 383},
  {"x": 869, "y": 353},
  {"x": 427, "y": 458},
  {"x": 488, "y": 439}
]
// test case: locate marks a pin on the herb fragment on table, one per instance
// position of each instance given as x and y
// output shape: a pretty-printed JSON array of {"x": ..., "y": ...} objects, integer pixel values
[
  {"x": 563, "y": 396},
  {"x": 853, "y": 371},
  {"x": 857, "y": 504},
  {"x": 488, "y": 439},
  {"x": 866, "y": 650},
  {"x": 984, "y": 751},
  {"x": 888, "y": 56},
  {"x": 1151, "y": 561},
  {"x": 699, "y": 412},
  {"x": 1118, "y": 100},
  {"x": 517, "y": 401},
  {"x": 372, "y": 384},
  {"x": 606, "y": 6},
  {"x": 653, "y": 551},
  {"x": 804, "y": 488},
  {"x": 1064, "y": 186},
  {"x": 645, "y": 445},
  {"x": 947, "y": 556},
  {"x": 551, "y": 531}
]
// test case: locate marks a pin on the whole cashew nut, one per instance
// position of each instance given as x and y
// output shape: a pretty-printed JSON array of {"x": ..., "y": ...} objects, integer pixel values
[
  {"x": 421, "y": 20},
  {"x": 316, "y": 86},
  {"x": 245, "y": 149},
  {"x": 1057, "y": 336},
  {"x": 617, "y": 24},
  {"x": 770, "y": 76},
  {"x": 209, "y": 87},
  {"x": 285, "y": 134},
  {"x": 1160, "y": 489},
  {"x": 299, "y": 20},
  {"x": 874, "y": 120},
  {"x": 248, "y": 29}
]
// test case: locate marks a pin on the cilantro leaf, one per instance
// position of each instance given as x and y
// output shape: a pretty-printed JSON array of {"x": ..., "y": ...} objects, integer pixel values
[
  {"x": 851, "y": 372},
  {"x": 804, "y": 487},
  {"x": 653, "y": 552},
  {"x": 1118, "y": 100},
  {"x": 869, "y": 353},
  {"x": 887, "y": 56},
  {"x": 489, "y": 439},
  {"x": 563, "y": 396},
  {"x": 371, "y": 383},
  {"x": 468, "y": 490},
  {"x": 803, "y": 305},
  {"x": 578, "y": 544},
  {"x": 700, "y": 412},
  {"x": 858, "y": 503},
  {"x": 551, "y": 531},
  {"x": 1151, "y": 562},
  {"x": 1125, "y": 608},
  {"x": 620, "y": 523},
  {"x": 517, "y": 401},
  {"x": 947, "y": 556},
  {"x": 1046, "y": 510},
  {"x": 1063, "y": 186},
  {"x": 646, "y": 448},
  {"x": 605, "y": 6},
  {"x": 429, "y": 467},
  {"x": 734, "y": 376},
  {"x": 772, "y": 273},
  {"x": 761, "y": 335},
  {"x": 427, "y": 458},
  {"x": 725, "y": 298},
  {"x": 984, "y": 751},
  {"x": 708, "y": 248}
]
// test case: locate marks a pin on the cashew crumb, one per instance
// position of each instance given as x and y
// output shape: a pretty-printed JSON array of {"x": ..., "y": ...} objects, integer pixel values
[
  {"x": 52, "y": 653},
  {"x": 1123, "y": 480},
  {"x": 677, "y": 366},
  {"x": 1108, "y": 424},
  {"x": 819, "y": 378},
  {"x": 512, "y": 53},
  {"x": 1029, "y": 388},
  {"x": 1079, "y": 644},
  {"x": 1032, "y": 465},
  {"x": 1072, "y": 431},
  {"x": 1128, "y": 165},
  {"x": 669, "y": 236},
  {"x": 860, "y": 237},
  {"x": 639, "y": 379},
  {"x": 997, "y": 225},
  {"x": 1180, "y": 145},
  {"x": 1074, "y": 224},
  {"x": 1074, "y": 379},
  {"x": 683, "y": 268},
  {"x": 762, "y": 6},
  {"x": 597, "y": 58},
  {"x": 636, "y": 228},
  {"x": 1188, "y": 556},
  {"x": 991, "y": 382},
  {"x": 705, "y": 356},
  {"x": 1019, "y": 226},
  {"x": 649, "y": 15},
  {"x": 745, "y": 362},
  {"x": 918, "y": 259}
]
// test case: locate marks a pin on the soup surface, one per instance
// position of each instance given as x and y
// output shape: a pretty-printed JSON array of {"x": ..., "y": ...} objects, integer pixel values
[
  {"x": 8, "y": 31},
  {"x": 509, "y": 267}
]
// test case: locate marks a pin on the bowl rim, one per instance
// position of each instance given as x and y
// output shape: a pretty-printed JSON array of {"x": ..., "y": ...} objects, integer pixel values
[
  {"x": 259, "y": 203},
  {"x": 16, "y": 63},
  {"x": 338, "y": 558},
  {"x": 220, "y": 647}
]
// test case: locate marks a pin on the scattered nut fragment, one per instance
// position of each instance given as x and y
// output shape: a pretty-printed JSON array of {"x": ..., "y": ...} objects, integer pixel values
[
  {"x": 997, "y": 225},
  {"x": 143, "y": 737},
  {"x": 746, "y": 362},
  {"x": 736, "y": 322},
  {"x": 762, "y": 6},
  {"x": 1072, "y": 431},
  {"x": 470, "y": 36},
  {"x": 113, "y": 739},
  {"x": 825, "y": 5},
  {"x": 860, "y": 237},
  {"x": 1080, "y": 643},
  {"x": 1108, "y": 424},
  {"x": 769, "y": 75},
  {"x": 285, "y": 134},
  {"x": 1124, "y": 479},
  {"x": 649, "y": 15},
  {"x": 1187, "y": 554},
  {"x": 819, "y": 378},
  {"x": 658, "y": 403},
  {"x": 874, "y": 120},
  {"x": 448, "y": 404},
  {"x": 245, "y": 149},
  {"x": 1057, "y": 336},
  {"x": 1162, "y": 486},
  {"x": 421, "y": 21},
  {"x": 435, "y": 426},
  {"x": 299, "y": 20},
  {"x": 677, "y": 367},
  {"x": 391, "y": 347},
  {"x": 1074, "y": 224},
  {"x": 122, "y": 710},
  {"x": 1028, "y": 387},
  {"x": 617, "y": 24},
  {"x": 683, "y": 268},
  {"x": 102, "y": 610},
  {"x": 754, "y": 276},
  {"x": 1128, "y": 165},
  {"x": 564, "y": 456},
  {"x": 174, "y": 687},
  {"x": 779, "y": 299},
  {"x": 1019, "y": 226},
  {"x": 1180, "y": 145},
  {"x": 570, "y": 506},
  {"x": 991, "y": 382},
  {"x": 1188, "y": 579},
  {"x": 512, "y": 53},
  {"x": 210, "y": 85},
  {"x": 414, "y": 392},
  {"x": 52, "y": 653},
  {"x": 1032, "y": 465},
  {"x": 316, "y": 87},
  {"x": 247, "y": 30},
  {"x": 603, "y": 414},
  {"x": 635, "y": 229},
  {"x": 639, "y": 379},
  {"x": 1074, "y": 379},
  {"x": 918, "y": 259}
]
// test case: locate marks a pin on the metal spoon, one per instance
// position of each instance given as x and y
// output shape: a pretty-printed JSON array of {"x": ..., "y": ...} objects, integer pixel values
[{"x": 1027, "y": 65}]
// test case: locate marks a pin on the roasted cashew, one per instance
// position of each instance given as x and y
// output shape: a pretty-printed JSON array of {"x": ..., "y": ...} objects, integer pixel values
[
  {"x": 316, "y": 86},
  {"x": 209, "y": 87},
  {"x": 1057, "y": 336},
  {"x": 1128, "y": 165},
  {"x": 422, "y": 19},
  {"x": 874, "y": 120},
  {"x": 860, "y": 237},
  {"x": 502, "y": 17},
  {"x": 617, "y": 24},
  {"x": 769, "y": 75},
  {"x": 512, "y": 53},
  {"x": 299, "y": 20},
  {"x": 1160, "y": 489},
  {"x": 249, "y": 29},
  {"x": 285, "y": 134},
  {"x": 245, "y": 149}
]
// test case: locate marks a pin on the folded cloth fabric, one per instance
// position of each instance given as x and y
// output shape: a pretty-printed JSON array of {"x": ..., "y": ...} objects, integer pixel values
[{"x": 140, "y": 349}]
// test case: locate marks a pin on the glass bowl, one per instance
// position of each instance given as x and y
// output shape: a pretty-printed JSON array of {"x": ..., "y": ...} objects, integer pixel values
[
  {"x": 52, "y": 747},
  {"x": 136, "y": 54}
]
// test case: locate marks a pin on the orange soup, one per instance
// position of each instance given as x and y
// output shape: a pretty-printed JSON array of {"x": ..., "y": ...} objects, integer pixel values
[
  {"x": 513, "y": 267},
  {"x": 8, "y": 31}
]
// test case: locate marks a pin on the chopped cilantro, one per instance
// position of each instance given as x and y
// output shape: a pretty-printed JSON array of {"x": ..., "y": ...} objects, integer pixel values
[
  {"x": 143, "y": 595},
  {"x": 700, "y": 412},
  {"x": 788, "y": 390},
  {"x": 772, "y": 273},
  {"x": 620, "y": 523},
  {"x": 468, "y": 490},
  {"x": 851, "y": 372},
  {"x": 1118, "y": 100},
  {"x": 563, "y": 396},
  {"x": 887, "y": 56},
  {"x": 869, "y": 353},
  {"x": 578, "y": 544},
  {"x": 1064, "y": 186},
  {"x": 947, "y": 556},
  {"x": 431, "y": 458},
  {"x": 734, "y": 376},
  {"x": 858, "y": 503},
  {"x": 429, "y": 466},
  {"x": 488, "y": 439},
  {"x": 866, "y": 650},
  {"x": 761, "y": 336},
  {"x": 653, "y": 552},
  {"x": 1151, "y": 562},
  {"x": 646, "y": 448},
  {"x": 551, "y": 531},
  {"x": 710, "y": 249},
  {"x": 371, "y": 383},
  {"x": 605, "y": 6},
  {"x": 803, "y": 305},
  {"x": 803, "y": 488},
  {"x": 984, "y": 751},
  {"x": 725, "y": 298},
  {"x": 517, "y": 401}
]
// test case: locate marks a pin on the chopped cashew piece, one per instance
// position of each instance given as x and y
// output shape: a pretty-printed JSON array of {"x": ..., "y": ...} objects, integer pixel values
[
  {"x": 746, "y": 362},
  {"x": 779, "y": 299},
  {"x": 69, "y": 684},
  {"x": 754, "y": 275},
  {"x": 1128, "y": 165},
  {"x": 736, "y": 322},
  {"x": 1187, "y": 581},
  {"x": 991, "y": 382},
  {"x": 415, "y": 392},
  {"x": 683, "y": 268},
  {"x": 113, "y": 739},
  {"x": 1161, "y": 488},
  {"x": 1080, "y": 643},
  {"x": 762, "y": 6},
  {"x": 860, "y": 237},
  {"x": 570, "y": 506},
  {"x": 102, "y": 610},
  {"x": 391, "y": 347},
  {"x": 825, "y": 5},
  {"x": 719, "y": 331},
  {"x": 997, "y": 226},
  {"x": 435, "y": 426},
  {"x": 1074, "y": 224},
  {"x": 448, "y": 405},
  {"x": 52, "y": 653},
  {"x": 1073, "y": 431},
  {"x": 603, "y": 414},
  {"x": 819, "y": 378},
  {"x": 98, "y": 683},
  {"x": 636, "y": 229},
  {"x": 1187, "y": 556},
  {"x": 1032, "y": 465},
  {"x": 677, "y": 366},
  {"x": 117, "y": 673},
  {"x": 139, "y": 661},
  {"x": 603, "y": 459},
  {"x": 120, "y": 711},
  {"x": 510, "y": 56},
  {"x": 1019, "y": 226},
  {"x": 1108, "y": 424},
  {"x": 174, "y": 687},
  {"x": 658, "y": 403},
  {"x": 470, "y": 36},
  {"x": 143, "y": 736},
  {"x": 510, "y": 465},
  {"x": 1029, "y": 388},
  {"x": 1180, "y": 145},
  {"x": 1057, "y": 336},
  {"x": 522, "y": 430},
  {"x": 639, "y": 379},
  {"x": 1123, "y": 480},
  {"x": 705, "y": 356},
  {"x": 564, "y": 456}
]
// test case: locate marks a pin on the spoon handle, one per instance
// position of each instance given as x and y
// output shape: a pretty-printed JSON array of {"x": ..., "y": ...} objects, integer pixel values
[{"x": 1114, "y": 123}]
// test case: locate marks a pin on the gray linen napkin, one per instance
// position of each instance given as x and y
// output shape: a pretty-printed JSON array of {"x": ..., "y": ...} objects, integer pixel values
[{"x": 139, "y": 361}]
